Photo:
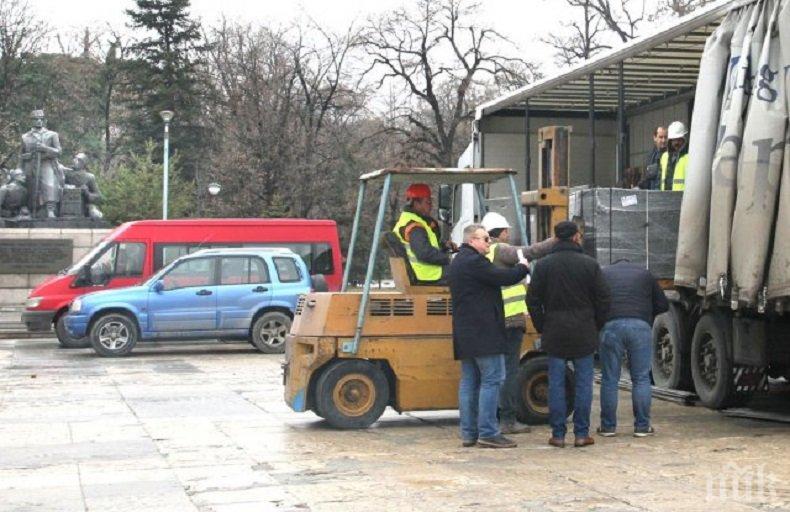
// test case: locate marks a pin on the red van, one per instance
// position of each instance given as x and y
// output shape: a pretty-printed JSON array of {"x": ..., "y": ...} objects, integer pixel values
[{"x": 135, "y": 250}]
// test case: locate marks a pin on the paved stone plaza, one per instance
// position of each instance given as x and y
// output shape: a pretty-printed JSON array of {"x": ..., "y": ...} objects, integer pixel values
[{"x": 204, "y": 427}]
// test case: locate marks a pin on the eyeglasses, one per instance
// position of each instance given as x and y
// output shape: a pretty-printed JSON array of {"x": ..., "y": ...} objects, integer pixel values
[{"x": 486, "y": 239}]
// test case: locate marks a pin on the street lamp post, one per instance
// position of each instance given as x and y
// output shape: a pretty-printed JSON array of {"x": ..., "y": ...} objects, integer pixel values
[
  {"x": 167, "y": 115},
  {"x": 213, "y": 190}
]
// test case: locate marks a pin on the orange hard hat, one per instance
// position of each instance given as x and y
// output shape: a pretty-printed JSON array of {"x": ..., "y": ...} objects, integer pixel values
[{"x": 418, "y": 191}]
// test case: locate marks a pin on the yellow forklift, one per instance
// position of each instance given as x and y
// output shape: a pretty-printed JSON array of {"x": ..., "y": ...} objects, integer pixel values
[{"x": 350, "y": 354}]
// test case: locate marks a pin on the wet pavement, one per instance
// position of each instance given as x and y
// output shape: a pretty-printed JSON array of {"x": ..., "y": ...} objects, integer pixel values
[{"x": 204, "y": 427}]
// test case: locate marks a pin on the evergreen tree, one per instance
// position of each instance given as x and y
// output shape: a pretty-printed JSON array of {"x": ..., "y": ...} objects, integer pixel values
[{"x": 163, "y": 73}]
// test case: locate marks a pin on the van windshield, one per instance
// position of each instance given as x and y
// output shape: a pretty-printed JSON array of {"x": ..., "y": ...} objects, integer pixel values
[{"x": 72, "y": 270}]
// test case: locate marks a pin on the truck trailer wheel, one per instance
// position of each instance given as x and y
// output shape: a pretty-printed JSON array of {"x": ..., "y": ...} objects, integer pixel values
[
  {"x": 711, "y": 364},
  {"x": 533, "y": 384},
  {"x": 671, "y": 365},
  {"x": 65, "y": 339},
  {"x": 352, "y": 393}
]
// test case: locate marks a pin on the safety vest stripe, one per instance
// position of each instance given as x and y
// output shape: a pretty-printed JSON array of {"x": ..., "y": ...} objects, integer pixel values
[{"x": 511, "y": 300}]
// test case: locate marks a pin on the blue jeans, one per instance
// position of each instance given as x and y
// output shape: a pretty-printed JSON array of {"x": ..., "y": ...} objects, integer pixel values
[
  {"x": 508, "y": 395},
  {"x": 478, "y": 393},
  {"x": 619, "y": 337},
  {"x": 583, "y": 387}
]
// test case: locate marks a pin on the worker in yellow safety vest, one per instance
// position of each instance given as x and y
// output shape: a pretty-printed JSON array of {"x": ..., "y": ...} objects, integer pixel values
[
  {"x": 502, "y": 254},
  {"x": 675, "y": 160},
  {"x": 420, "y": 235}
]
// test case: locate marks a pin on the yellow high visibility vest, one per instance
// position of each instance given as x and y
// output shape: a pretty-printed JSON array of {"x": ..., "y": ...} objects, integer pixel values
[
  {"x": 422, "y": 271},
  {"x": 679, "y": 178},
  {"x": 515, "y": 295}
]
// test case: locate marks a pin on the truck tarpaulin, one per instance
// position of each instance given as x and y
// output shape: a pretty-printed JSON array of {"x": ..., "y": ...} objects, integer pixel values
[
  {"x": 760, "y": 167},
  {"x": 725, "y": 161},
  {"x": 779, "y": 273},
  {"x": 692, "y": 249}
]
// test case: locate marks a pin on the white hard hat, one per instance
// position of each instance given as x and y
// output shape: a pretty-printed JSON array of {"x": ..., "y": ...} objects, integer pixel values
[
  {"x": 677, "y": 130},
  {"x": 494, "y": 220}
]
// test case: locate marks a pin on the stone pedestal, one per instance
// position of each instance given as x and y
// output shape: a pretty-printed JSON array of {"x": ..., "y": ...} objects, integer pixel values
[{"x": 17, "y": 278}]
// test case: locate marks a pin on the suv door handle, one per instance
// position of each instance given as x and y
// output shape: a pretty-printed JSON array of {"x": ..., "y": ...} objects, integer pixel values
[
  {"x": 204, "y": 292},
  {"x": 260, "y": 289}
]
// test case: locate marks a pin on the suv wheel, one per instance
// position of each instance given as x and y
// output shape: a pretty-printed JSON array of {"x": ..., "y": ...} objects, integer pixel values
[
  {"x": 113, "y": 335},
  {"x": 269, "y": 332}
]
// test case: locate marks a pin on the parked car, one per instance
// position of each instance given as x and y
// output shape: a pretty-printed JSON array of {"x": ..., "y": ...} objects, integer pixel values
[
  {"x": 246, "y": 293},
  {"x": 134, "y": 251}
]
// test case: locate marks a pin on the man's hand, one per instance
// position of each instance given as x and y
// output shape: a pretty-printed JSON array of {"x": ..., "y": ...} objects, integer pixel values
[
  {"x": 522, "y": 259},
  {"x": 451, "y": 246}
]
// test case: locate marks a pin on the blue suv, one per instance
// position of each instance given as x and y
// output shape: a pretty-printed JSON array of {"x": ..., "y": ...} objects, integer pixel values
[{"x": 213, "y": 293}]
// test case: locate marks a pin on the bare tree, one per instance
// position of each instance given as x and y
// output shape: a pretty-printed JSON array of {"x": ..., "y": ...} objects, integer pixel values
[
  {"x": 582, "y": 38},
  {"x": 623, "y": 18},
  {"x": 680, "y": 7},
  {"x": 434, "y": 56}
]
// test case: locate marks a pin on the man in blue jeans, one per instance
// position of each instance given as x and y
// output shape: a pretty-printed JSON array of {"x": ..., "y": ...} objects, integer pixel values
[
  {"x": 479, "y": 338},
  {"x": 636, "y": 300},
  {"x": 568, "y": 300}
]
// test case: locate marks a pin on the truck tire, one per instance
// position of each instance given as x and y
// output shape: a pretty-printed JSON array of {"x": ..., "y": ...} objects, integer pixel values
[
  {"x": 533, "y": 384},
  {"x": 711, "y": 364},
  {"x": 671, "y": 361},
  {"x": 269, "y": 331},
  {"x": 352, "y": 393},
  {"x": 113, "y": 335},
  {"x": 65, "y": 339}
]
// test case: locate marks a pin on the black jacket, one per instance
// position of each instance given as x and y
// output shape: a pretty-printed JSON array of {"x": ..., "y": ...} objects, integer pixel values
[
  {"x": 635, "y": 292},
  {"x": 651, "y": 179},
  {"x": 478, "y": 313},
  {"x": 568, "y": 301}
]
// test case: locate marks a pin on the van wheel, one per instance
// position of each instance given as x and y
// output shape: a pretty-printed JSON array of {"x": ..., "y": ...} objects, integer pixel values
[
  {"x": 113, "y": 335},
  {"x": 65, "y": 339},
  {"x": 533, "y": 385},
  {"x": 711, "y": 365},
  {"x": 269, "y": 332},
  {"x": 352, "y": 394},
  {"x": 671, "y": 365}
]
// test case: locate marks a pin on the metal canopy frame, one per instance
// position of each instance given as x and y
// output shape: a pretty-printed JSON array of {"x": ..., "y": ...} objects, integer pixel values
[
  {"x": 454, "y": 176},
  {"x": 675, "y": 50}
]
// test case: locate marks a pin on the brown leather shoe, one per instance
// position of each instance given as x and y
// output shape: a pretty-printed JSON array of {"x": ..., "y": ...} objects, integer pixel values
[
  {"x": 557, "y": 442},
  {"x": 581, "y": 442}
]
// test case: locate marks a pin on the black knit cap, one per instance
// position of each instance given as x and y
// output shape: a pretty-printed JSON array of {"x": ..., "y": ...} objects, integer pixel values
[{"x": 565, "y": 230}]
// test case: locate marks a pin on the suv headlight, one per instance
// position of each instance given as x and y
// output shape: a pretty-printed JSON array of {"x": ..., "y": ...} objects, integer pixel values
[
  {"x": 33, "y": 302},
  {"x": 76, "y": 306}
]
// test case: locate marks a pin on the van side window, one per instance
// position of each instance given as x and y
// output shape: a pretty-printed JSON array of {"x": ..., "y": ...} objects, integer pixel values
[
  {"x": 165, "y": 254},
  {"x": 322, "y": 259},
  {"x": 287, "y": 271},
  {"x": 124, "y": 259}
]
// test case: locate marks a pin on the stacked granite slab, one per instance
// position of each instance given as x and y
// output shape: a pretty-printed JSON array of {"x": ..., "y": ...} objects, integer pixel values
[
  {"x": 638, "y": 225},
  {"x": 30, "y": 255}
]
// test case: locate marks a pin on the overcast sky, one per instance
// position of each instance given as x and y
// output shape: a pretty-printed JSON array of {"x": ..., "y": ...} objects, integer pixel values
[{"x": 524, "y": 22}]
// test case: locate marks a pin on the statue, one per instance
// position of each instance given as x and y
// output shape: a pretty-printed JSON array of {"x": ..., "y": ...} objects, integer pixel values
[
  {"x": 79, "y": 177},
  {"x": 39, "y": 159},
  {"x": 13, "y": 196}
]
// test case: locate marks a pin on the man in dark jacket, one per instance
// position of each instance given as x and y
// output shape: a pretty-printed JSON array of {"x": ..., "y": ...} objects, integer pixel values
[
  {"x": 568, "y": 301},
  {"x": 651, "y": 179},
  {"x": 636, "y": 300},
  {"x": 479, "y": 339}
]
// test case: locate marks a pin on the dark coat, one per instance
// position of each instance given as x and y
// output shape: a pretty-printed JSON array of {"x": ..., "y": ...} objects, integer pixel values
[
  {"x": 635, "y": 292},
  {"x": 568, "y": 301},
  {"x": 478, "y": 313}
]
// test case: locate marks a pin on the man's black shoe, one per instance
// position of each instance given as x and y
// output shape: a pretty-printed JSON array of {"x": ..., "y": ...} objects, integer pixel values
[
  {"x": 499, "y": 441},
  {"x": 644, "y": 432},
  {"x": 468, "y": 443}
]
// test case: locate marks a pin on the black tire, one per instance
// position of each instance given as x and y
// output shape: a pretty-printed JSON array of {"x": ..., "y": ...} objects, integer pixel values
[
  {"x": 352, "y": 393},
  {"x": 711, "y": 364},
  {"x": 269, "y": 331},
  {"x": 533, "y": 383},
  {"x": 65, "y": 339},
  {"x": 114, "y": 335},
  {"x": 671, "y": 354}
]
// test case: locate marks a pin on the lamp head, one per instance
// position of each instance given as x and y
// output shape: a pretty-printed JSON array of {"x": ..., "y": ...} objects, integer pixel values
[
  {"x": 167, "y": 115},
  {"x": 214, "y": 188}
]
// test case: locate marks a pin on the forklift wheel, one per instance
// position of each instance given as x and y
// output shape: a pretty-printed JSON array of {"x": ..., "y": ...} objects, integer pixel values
[
  {"x": 352, "y": 393},
  {"x": 533, "y": 384}
]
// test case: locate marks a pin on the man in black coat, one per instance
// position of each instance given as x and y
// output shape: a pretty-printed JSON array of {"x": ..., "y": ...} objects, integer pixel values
[
  {"x": 479, "y": 338},
  {"x": 568, "y": 301}
]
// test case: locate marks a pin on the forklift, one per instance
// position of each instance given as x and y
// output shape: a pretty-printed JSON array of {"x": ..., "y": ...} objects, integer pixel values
[{"x": 350, "y": 354}]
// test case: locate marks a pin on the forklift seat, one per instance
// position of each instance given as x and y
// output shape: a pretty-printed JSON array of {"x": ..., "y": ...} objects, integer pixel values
[{"x": 402, "y": 273}]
